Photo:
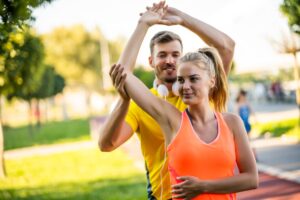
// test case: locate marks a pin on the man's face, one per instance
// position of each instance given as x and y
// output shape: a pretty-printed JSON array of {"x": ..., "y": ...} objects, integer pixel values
[{"x": 164, "y": 58}]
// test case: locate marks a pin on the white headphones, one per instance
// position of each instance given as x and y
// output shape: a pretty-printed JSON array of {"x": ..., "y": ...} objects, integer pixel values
[{"x": 163, "y": 91}]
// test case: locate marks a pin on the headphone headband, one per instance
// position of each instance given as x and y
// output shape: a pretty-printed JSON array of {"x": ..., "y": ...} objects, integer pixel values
[{"x": 163, "y": 91}]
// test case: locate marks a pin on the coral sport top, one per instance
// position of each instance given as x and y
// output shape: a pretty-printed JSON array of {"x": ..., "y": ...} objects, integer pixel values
[{"x": 188, "y": 155}]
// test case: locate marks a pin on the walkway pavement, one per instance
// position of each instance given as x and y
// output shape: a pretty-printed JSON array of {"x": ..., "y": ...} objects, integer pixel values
[
  {"x": 279, "y": 157},
  {"x": 47, "y": 149},
  {"x": 279, "y": 167},
  {"x": 272, "y": 188}
]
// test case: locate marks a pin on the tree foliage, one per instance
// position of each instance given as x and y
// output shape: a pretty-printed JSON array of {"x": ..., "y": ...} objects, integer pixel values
[
  {"x": 291, "y": 9},
  {"x": 14, "y": 15},
  {"x": 14, "y": 18},
  {"x": 51, "y": 84},
  {"x": 145, "y": 75},
  {"x": 75, "y": 54},
  {"x": 115, "y": 48},
  {"x": 25, "y": 62}
]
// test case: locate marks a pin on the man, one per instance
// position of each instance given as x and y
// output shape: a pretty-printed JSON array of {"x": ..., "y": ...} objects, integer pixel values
[{"x": 127, "y": 117}]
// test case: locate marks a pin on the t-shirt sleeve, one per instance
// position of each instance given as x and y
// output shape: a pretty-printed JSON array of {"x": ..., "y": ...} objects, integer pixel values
[{"x": 132, "y": 116}]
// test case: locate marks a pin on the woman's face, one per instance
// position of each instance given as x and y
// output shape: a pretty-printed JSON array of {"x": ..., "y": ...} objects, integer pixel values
[{"x": 194, "y": 82}]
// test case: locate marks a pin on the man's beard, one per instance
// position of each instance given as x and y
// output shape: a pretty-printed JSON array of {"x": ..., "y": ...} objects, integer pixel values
[
  {"x": 169, "y": 80},
  {"x": 165, "y": 79}
]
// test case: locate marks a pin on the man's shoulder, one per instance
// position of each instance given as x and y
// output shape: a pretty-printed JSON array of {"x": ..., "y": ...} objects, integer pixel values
[
  {"x": 133, "y": 107},
  {"x": 175, "y": 101}
]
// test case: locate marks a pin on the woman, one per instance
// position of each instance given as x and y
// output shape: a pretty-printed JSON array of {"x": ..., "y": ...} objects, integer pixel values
[
  {"x": 203, "y": 145},
  {"x": 202, "y": 142},
  {"x": 244, "y": 109}
]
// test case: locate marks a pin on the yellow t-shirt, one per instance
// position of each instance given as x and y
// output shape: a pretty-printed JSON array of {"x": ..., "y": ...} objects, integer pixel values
[{"x": 153, "y": 146}]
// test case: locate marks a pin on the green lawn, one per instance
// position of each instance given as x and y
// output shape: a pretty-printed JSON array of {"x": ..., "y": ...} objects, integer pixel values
[
  {"x": 81, "y": 175},
  {"x": 49, "y": 133},
  {"x": 288, "y": 127}
]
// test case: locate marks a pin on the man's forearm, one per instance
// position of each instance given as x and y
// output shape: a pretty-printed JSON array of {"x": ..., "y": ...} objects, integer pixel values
[
  {"x": 110, "y": 133},
  {"x": 212, "y": 37}
]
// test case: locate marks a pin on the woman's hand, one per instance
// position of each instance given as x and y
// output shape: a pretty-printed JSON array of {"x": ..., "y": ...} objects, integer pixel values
[{"x": 188, "y": 188}]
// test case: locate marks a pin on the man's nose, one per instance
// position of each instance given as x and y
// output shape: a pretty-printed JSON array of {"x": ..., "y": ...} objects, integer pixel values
[{"x": 170, "y": 59}]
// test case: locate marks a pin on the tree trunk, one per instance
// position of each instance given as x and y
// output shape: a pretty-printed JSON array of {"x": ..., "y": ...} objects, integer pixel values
[
  {"x": 37, "y": 113},
  {"x": 30, "y": 129},
  {"x": 297, "y": 79},
  {"x": 46, "y": 110},
  {"x": 65, "y": 115},
  {"x": 2, "y": 164},
  {"x": 1, "y": 111},
  {"x": 88, "y": 102}
]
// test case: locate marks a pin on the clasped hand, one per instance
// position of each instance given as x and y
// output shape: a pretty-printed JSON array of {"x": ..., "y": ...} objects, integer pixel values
[
  {"x": 188, "y": 188},
  {"x": 161, "y": 14}
]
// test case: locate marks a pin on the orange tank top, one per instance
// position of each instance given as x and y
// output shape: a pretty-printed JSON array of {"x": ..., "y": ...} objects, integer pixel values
[{"x": 188, "y": 155}]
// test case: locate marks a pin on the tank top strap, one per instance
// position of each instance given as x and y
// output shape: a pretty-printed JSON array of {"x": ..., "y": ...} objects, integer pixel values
[
  {"x": 222, "y": 125},
  {"x": 184, "y": 132}
]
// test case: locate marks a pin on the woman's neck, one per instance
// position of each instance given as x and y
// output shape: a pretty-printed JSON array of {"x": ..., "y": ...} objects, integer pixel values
[{"x": 201, "y": 113}]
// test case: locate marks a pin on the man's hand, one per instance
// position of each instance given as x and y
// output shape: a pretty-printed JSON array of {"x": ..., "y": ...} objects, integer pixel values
[
  {"x": 118, "y": 78},
  {"x": 172, "y": 16},
  {"x": 188, "y": 188},
  {"x": 161, "y": 14},
  {"x": 154, "y": 14}
]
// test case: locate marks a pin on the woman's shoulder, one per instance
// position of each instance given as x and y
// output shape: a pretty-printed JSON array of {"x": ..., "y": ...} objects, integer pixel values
[
  {"x": 229, "y": 116},
  {"x": 231, "y": 119}
]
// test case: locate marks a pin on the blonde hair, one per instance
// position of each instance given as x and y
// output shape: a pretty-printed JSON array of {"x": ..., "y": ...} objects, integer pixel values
[{"x": 218, "y": 95}]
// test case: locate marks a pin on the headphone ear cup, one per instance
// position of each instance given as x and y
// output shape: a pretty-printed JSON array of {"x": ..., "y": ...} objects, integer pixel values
[
  {"x": 155, "y": 84},
  {"x": 162, "y": 90},
  {"x": 175, "y": 88}
]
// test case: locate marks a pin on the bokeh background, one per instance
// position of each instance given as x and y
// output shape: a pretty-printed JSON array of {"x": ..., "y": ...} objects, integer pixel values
[{"x": 55, "y": 91}]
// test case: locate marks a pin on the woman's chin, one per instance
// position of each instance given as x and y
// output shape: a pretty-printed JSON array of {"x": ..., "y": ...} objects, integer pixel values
[{"x": 187, "y": 101}]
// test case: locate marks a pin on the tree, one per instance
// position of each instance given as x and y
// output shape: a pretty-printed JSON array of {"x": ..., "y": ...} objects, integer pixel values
[
  {"x": 14, "y": 15},
  {"x": 76, "y": 55},
  {"x": 27, "y": 70},
  {"x": 51, "y": 84},
  {"x": 291, "y": 9},
  {"x": 25, "y": 65}
]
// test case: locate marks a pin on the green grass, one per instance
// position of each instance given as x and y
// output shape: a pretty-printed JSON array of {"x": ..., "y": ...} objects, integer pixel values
[
  {"x": 81, "y": 175},
  {"x": 276, "y": 129},
  {"x": 49, "y": 133}
]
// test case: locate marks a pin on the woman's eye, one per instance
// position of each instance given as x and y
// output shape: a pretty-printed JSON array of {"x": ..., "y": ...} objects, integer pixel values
[{"x": 194, "y": 79}]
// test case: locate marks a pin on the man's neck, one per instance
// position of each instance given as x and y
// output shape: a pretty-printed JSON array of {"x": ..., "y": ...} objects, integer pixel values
[{"x": 168, "y": 85}]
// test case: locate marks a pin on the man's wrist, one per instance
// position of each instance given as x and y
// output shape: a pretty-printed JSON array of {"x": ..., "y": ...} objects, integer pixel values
[
  {"x": 144, "y": 24},
  {"x": 125, "y": 101}
]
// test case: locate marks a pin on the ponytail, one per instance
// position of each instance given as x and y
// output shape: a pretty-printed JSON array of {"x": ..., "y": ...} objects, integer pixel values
[{"x": 218, "y": 95}]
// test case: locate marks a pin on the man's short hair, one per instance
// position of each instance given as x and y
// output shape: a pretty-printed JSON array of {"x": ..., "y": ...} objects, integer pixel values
[{"x": 164, "y": 37}]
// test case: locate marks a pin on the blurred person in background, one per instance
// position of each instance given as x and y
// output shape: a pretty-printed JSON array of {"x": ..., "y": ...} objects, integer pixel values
[{"x": 245, "y": 110}]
